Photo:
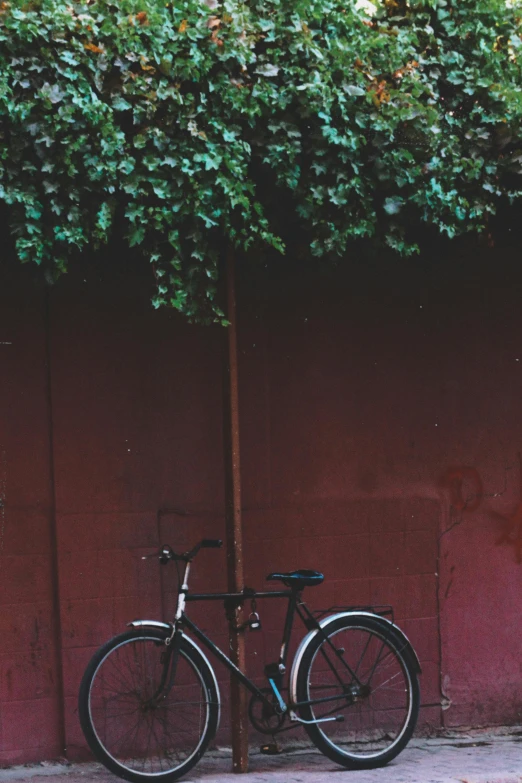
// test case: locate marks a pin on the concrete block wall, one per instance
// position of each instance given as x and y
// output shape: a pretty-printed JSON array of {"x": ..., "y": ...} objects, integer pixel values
[
  {"x": 30, "y": 711},
  {"x": 356, "y": 398}
]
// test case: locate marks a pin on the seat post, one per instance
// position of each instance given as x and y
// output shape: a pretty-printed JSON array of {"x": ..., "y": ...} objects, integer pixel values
[{"x": 287, "y": 632}]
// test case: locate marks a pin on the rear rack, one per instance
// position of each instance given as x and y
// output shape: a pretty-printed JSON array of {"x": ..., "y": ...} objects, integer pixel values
[{"x": 383, "y": 610}]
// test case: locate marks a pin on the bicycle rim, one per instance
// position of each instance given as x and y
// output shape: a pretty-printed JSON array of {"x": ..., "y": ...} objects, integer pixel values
[
  {"x": 364, "y": 680},
  {"x": 145, "y": 735}
]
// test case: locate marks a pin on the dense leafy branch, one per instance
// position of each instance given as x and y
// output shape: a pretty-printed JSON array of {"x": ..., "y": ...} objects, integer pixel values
[{"x": 168, "y": 119}]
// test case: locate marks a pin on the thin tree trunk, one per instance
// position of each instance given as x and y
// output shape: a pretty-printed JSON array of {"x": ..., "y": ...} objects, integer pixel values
[{"x": 238, "y": 695}]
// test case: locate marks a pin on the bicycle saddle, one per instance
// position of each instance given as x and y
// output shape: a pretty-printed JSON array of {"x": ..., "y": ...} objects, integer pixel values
[{"x": 298, "y": 579}]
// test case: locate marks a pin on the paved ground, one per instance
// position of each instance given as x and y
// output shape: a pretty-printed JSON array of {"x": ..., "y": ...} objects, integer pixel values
[{"x": 478, "y": 758}]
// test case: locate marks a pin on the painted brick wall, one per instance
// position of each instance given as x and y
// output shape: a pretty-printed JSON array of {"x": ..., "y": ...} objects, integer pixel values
[
  {"x": 30, "y": 712},
  {"x": 359, "y": 396}
]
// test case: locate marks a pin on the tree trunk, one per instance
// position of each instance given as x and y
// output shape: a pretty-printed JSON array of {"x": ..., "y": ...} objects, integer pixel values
[{"x": 238, "y": 695}]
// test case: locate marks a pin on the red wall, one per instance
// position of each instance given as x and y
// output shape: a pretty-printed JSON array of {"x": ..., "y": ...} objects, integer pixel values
[
  {"x": 374, "y": 402},
  {"x": 30, "y": 710}
]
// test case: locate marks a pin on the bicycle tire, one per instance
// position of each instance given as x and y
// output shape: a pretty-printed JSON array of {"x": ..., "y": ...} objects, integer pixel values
[
  {"x": 117, "y": 688},
  {"x": 374, "y": 730}
]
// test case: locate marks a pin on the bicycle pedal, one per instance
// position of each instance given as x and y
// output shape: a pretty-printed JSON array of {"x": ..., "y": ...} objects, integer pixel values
[{"x": 271, "y": 749}]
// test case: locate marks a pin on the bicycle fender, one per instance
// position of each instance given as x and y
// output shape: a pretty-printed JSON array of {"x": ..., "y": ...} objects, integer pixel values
[
  {"x": 165, "y": 626},
  {"x": 150, "y": 624},
  {"x": 392, "y": 630}
]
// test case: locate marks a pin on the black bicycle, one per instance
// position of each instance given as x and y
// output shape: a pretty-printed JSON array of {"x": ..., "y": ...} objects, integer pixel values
[{"x": 149, "y": 700}]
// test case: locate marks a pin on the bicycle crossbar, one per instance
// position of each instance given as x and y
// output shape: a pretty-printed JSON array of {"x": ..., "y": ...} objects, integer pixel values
[{"x": 244, "y": 596}]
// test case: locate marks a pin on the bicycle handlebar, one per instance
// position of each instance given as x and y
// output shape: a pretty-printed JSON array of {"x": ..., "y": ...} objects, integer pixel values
[
  {"x": 206, "y": 543},
  {"x": 211, "y": 543},
  {"x": 166, "y": 552}
]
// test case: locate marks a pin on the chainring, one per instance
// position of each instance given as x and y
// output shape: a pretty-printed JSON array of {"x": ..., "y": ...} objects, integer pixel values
[{"x": 263, "y": 717}]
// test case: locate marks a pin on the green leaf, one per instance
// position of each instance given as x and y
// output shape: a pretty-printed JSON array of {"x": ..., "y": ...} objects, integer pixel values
[{"x": 393, "y": 205}]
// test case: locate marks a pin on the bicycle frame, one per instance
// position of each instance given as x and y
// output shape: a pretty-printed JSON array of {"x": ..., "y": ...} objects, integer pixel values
[{"x": 232, "y": 601}]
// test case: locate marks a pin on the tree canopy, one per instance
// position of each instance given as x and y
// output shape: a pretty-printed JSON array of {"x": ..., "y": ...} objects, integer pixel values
[{"x": 186, "y": 124}]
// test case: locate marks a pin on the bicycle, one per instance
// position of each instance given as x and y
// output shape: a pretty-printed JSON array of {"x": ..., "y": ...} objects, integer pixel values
[{"x": 149, "y": 702}]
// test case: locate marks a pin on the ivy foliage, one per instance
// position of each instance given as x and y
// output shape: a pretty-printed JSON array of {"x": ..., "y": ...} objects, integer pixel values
[{"x": 167, "y": 121}]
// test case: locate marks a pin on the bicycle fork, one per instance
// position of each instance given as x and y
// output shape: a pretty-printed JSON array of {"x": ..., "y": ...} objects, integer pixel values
[
  {"x": 172, "y": 644},
  {"x": 169, "y": 660}
]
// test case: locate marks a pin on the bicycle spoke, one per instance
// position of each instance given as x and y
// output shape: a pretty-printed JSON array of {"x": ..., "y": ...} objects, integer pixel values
[
  {"x": 134, "y": 728},
  {"x": 158, "y": 745},
  {"x": 178, "y": 756},
  {"x": 390, "y": 657},
  {"x": 120, "y": 679},
  {"x": 363, "y": 653},
  {"x": 384, "y": 683}
]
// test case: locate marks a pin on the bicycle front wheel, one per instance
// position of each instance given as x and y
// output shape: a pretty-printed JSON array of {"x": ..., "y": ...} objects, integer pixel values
[
  {"x": 360, "y": 683},
  {"x": 139, "y": 721}
]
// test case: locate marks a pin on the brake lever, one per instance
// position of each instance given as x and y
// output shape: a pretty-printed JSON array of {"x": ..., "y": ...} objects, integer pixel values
[{"x": 164, "y": 555}]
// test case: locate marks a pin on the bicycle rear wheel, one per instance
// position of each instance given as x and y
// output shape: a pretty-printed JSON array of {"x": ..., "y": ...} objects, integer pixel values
[
  {"x": 134, "y": 726},
  {"x": 362, "y": 675}
]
